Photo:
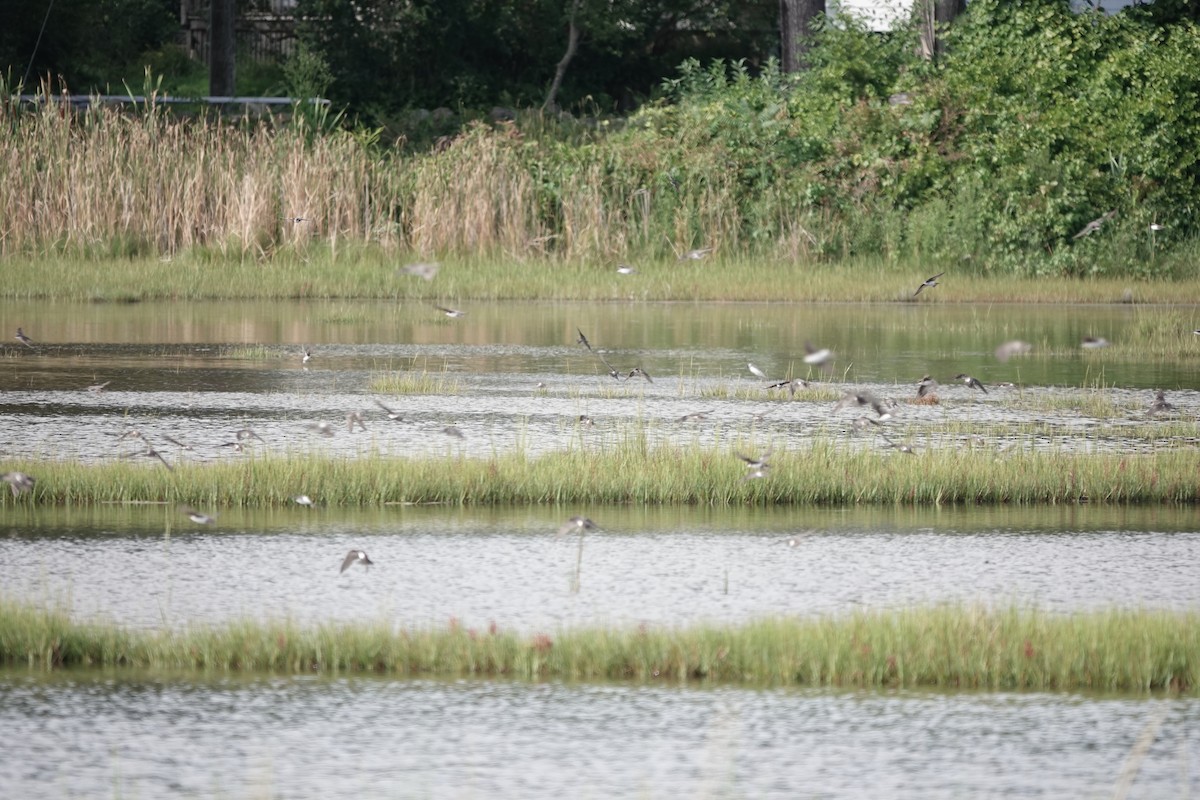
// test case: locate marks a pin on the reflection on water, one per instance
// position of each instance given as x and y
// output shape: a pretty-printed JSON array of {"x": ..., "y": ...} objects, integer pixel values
[
  {"x": 146, "y": 736},
  {"x": 149, "y": 566}
]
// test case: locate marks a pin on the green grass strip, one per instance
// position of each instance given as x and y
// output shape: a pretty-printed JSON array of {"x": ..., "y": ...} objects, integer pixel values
[
  {"x": 826, "y": 473},
  {"x": 951, "y": 646}
]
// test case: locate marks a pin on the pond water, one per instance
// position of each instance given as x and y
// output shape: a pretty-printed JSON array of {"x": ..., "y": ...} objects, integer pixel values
[
  {"x": 198, "y": 372},
  {"x": 130, "y": 735},
  {"x": 148, "y": 566},
  {"x": 511, "y": 375}
]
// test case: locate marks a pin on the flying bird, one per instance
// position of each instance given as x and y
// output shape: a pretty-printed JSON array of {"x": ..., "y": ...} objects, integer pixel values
[
  {"x": 580, "y": 524},
  {"x": 197, "y": 517},
  {"x": 96, "y": 388},
  {"x": 394, "y": 416},
  {"x": 304, "y": 500},
  {"x": 637, "y": 372},
  {"x": 452, "y": 313},
  {"x": 23, "y": 339},
  {"x": 925, "y": 386},
  {"x": 1095, "y": 224},
  {"x": 928, "y": 283},
  {"x": 18, "y": 482},
  {"x": 974, "y": 383},
  {"x": 1014, "y": 348},
  {"x": 1093, "y": 342},
  {"x": 1160, "y": 403},
  {"x": 355, "y": 557},
  {"x": 696, "y": 255},
  {"x": 817, "y": 357},
  {"x": 355, "y": 418},
  {"x": 755, "y": 371},
  {"x": 422, "y": 269},
  {"x": 625, "y": 269}
]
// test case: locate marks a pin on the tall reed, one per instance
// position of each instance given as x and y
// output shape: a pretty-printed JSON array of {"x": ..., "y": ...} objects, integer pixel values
[{"x": 951, "y": 646}]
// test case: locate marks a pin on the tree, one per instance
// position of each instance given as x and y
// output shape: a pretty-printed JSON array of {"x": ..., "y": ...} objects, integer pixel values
[
  {"x": 932, "y": 17},
  {"x": 796, "y": 19}
]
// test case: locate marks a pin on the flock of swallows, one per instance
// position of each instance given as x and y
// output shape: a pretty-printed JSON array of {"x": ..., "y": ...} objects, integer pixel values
[{"x": 757, "y": 465}]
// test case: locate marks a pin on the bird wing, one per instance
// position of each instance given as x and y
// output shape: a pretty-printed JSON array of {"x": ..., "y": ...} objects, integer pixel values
[{"x": 349, "y": 560}]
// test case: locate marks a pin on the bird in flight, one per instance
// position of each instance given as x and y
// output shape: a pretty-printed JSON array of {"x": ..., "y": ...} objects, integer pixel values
[
  {"x": 928, "y": 283},
  {"x": 639, "y": 372},
  {"x": 1160, "y": 403},
  {"x": 424, "y": 269},
  {"x": 756, "y": 371},
  {"x": 1095, "y": 224},
  {"x": 925, "y": 386},
  {"x": 452, "y": 313},
  {"x": 625, "y": 269},
  {"x": 1014, "y": 348},
  {"x": 355, "y": 557},
  {"x": 198, "y": 517},
  {"x": 583, "y": 340},
  {"x": 23, "y": 339},
  {"x": 974, "y": 383},
  {"x": 18, "y": 482},
  {"x": 580, "y": 524},
  {"x": 394, "y": 416}
]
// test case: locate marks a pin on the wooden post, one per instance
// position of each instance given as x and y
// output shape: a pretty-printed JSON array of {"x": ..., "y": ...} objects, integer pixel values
[{"x": 221, "y": 54}]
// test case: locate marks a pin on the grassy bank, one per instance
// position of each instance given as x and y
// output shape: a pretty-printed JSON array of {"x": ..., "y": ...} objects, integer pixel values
[
  {"x": 372, "y": 272},
  {"x": 943, "y": 646},
  {"x": 828, "y": 473}
]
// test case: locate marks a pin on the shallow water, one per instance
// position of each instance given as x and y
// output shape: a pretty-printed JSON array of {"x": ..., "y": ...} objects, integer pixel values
[
  {"x": 154, "y": 736},
  {"x": 149, "y": 566},
  {"x": 197, "y": 372}
]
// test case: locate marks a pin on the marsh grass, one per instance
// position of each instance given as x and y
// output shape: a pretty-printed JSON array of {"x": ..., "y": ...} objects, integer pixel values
[
  {"x": 632, "y": 469},
  {"x": 251, "y": 352},
  {"x": 358, "y": 270},
  {"x": 951, "y": 646},
  {"x": 404, "y": 383}
]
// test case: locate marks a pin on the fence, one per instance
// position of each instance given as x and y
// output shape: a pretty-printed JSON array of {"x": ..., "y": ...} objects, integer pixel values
[{"x": 265, "y": 32}]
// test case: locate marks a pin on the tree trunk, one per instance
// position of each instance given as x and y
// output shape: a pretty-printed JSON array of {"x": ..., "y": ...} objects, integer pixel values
[
  {"x": 572, "y": 46},
  {"x": 934, "y": 16},
  {"x": 222, "y": 14},
  {"x": 796, "y": 28}
]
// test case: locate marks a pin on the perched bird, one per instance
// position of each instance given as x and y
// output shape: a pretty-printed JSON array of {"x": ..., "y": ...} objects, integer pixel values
[
  {"x": 197, "y": 517},
  {"x": 639, "y": 372},
  {"x": 23, "y": 339},
  {"x": 580, "y": 524},
  {"x": 1156, "y": 227},
  {"x": 355, "y": 557},
  {"x": 422, "y": 269},
  {"x": 587, "y": 421},
  {"x": 304, "y": 500},
  {"x": 1160, "y": 404},
  {"x": 96, "y": 388},
  {"x": 355, "y": 418},
  {"x": 1014, "y": 348},
  {"x": 625, "y": 269},
  {"x": 815, "y": 357},
  {"x": 755, "y": 371},
  {"x": 925, "y": 386},
  {"x": 18, "y": 482},
  {"x": 394, "y": 416},
  {"x": 305, "y": 356},
  {"x": 452, "y": 313},
  {"x": 296, "y": 220},
  {"x": 974, "y": 383},
  {"x": 1093, "y": 342},
  {"x": 928, "y": 283},
  {"x": 1095, "y": 224},
  {"x": 696, "y": 255}
]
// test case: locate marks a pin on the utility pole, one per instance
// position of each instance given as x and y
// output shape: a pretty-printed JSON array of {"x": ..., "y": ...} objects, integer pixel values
[{"x": 221, "y": 44}]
